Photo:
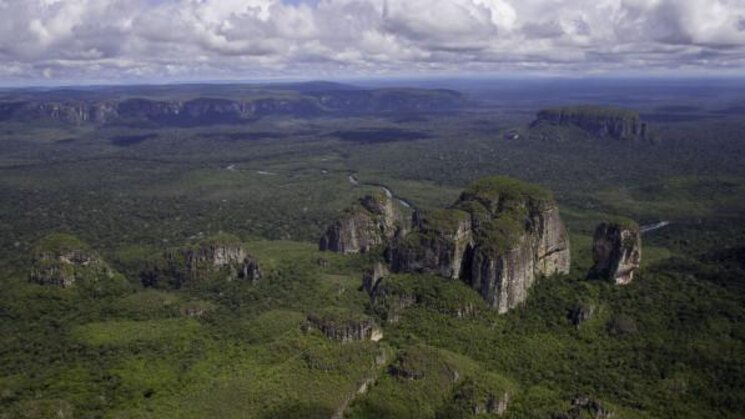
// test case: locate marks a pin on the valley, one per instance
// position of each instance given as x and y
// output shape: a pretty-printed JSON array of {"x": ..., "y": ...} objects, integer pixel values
[{"x": 164, "y": 259}]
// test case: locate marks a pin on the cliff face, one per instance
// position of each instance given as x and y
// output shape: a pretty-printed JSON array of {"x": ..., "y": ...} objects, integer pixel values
[
  {"x": 373, "y": 277},
  {"x": 619, "y": 124},
  {"x": 585, "y": 407},
  {"x": 616, "y": 251},
  {"x": 551, "y": 245},
  {"x": 215, "y": 256},
  {"x": 479, "y": 398},
  {"x": 370, "y": 223},
  {"x": 63, "y": 260},
  {"x": 344, "y": 327},
  {"x": 221, "y": 256},
  {"x": 498, "y": 237},
  {"x": 438, "y": 243},
  {"x": 503, "y": 277},
  {"x": 389, "y": 301},
  {"x": 70, "y": 112},
  {"x": 220, "y": 110}
]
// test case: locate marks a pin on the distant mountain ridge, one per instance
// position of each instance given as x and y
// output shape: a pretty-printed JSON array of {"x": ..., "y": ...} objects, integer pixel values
[
  {"x": 597, "y": 121},
  {"x": 202, "y": 104}
]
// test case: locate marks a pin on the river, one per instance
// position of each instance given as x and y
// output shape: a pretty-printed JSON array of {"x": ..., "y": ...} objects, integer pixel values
[
  {"x": 354, "y": 180},
  {"x": 652, "y": 227}
]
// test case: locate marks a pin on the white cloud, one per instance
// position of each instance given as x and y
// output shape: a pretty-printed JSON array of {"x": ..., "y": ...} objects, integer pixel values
[{"x": 107, "y": 40}]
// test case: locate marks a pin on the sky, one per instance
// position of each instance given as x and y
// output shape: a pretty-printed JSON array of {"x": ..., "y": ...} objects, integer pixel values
[{"x": 125, "y": 41}]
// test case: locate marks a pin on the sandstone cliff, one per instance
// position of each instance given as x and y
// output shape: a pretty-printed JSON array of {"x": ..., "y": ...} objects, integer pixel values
[
  {"x": 104, "y": 107},
  {"x": 498, "y": 237},
  {"x": 616, "y": 251},
  {"x": 63, "y": 260},
  {"x": 602, "y": 122},
  {"x": 484, "y": 395},
  {"x": 389, "y": 299},
  {"x": 343, "y": 326},
  {"x": 373, "y": 277},
  {"x": 370, "y": 223},
  {"x": 585, "y": 407},
  {"x": 220, "y": 257},
  {"x": 437, "y": 244}
]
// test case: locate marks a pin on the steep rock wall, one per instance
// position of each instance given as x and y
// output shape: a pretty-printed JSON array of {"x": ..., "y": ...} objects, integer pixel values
[
  {"x": 616, "y": 252},
  {"x": 370, "y": 223},
  {"x": 220, "y": 256},
  {"x": 616, "y": 123},
  {"x": 498, "y": 237},
  {"x": 63, "y": 260}
]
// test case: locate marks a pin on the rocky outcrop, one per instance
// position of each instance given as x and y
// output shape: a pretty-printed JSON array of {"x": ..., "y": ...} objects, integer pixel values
[
  {"x": 479, "y": 398},
  {"x": 111, "y": 107},
  {"x": 503, "y": 276},
  {"x": 616, "y": 251},
  {"x": 438, "y": 244},
  {"x": 373, "y": 277},
  {"x": 63, "y": 260},
  {"x": 342, "y": 326},
  {"x": 585, "y": 407},
  {"x": 581, "y": 314},
  {"x": 498, "y": 237},
  {"x": 597, "y": 121},
  {"x": 388, "y": 300},
  {"x": 370, "y": 223},
  {"x": 222, "y": 257}
]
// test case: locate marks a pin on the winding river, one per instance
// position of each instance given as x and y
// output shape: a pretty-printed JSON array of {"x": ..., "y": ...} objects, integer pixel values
[
  {"x": 652, "y": 227},
  {"x": 354, "y": 180}
]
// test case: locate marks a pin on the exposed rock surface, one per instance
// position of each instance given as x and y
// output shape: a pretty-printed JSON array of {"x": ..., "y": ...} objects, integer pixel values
[
  {"x": 371, "y": 222},
  {"x": 479, "y": 399},
  {"x": 110, "y": 107},
  {"x": 389, "y": 301},
  {"x": 63, "y": 260},
  {"x": 220, "y": 256},
  {"x": 438, "y": 243},
  {"x": 585, "y": 407},
  {"x": 616, "y": 252},
  {"x": 498, "y": 237},
  {"x": 581, "y": 314},
  {"x": 373, "y": 277},
  {"x": 342, "y": 326},
  {"x": 602, "y": 122}
]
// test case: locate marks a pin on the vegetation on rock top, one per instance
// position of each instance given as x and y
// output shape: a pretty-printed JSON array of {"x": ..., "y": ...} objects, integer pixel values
[{"x": 60, "y": 243}]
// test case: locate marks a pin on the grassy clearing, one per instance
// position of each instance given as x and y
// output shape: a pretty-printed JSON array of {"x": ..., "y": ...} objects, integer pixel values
[{"x": 121, "y": 333}]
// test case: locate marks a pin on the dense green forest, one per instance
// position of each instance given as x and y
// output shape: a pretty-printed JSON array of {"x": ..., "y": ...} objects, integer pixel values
[{"x": 670, "y": 344}]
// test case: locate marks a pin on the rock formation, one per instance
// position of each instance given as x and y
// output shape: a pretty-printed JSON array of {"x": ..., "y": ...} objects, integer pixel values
[
  {"x": 371, "y": 222},
  {"x": 222, "y": 256},
  {"x": 63, "y": 260},
  {"x": 342, "y": 326},
  {"x": 585, "y": 407},
  {"x": 479, "y": 398},
  {"x": 438, "y": 243},
  {"x": 373, "y": 277},
  {"x": 389, "y": 300},
  {"x": 616, "y": 251},
  {"x": 601, "y": 122},
  {"x": 106, "y": 107},
  {"x": 581, "y": 314},
  {"x": 498, "y": 237}
]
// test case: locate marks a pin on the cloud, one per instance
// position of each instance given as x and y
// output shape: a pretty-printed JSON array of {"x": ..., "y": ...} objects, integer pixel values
[{"x": 152, "y": 40}]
